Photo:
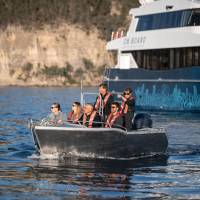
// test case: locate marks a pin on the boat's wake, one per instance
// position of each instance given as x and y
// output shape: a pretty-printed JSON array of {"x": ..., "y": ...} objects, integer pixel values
[
  {"x": 181, "y": 151},
  {"x": 54, "y": 156},
  {"x": 184, "y": 150},
  {"x": 74, "y": 154}
]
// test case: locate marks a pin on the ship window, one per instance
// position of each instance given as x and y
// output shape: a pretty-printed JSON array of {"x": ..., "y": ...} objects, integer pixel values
[
  {"x": 199, "y": 56},
  {"x": 177, "y": 58},
  {"x": 163, "y": 21},
  {"x": 172, "y": 21},
  {"x": 161, "y": 59},
  {"x": 168, "y": 20},
  {"x": 186, "y": 15},
  {"x": 145, "y": 22},
  {"x": 171, "y": 58},
  {"x": 195, "y": 18},
  {"x": 156, "y": 22},
  {"x": 182, "y": 57},
  {"x": 164, "y": 59},
  {"x": 139, "y": 58},
  {"x": 188, "y": 57},
  {"x": 196, "y": 56}
]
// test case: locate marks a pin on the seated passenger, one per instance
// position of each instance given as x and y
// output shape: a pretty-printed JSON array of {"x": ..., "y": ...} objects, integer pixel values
[
  {"x": 90, "y": 117},
  {"x": 56, "y": 116},
  {"x": 76, "y": 113},
  {"x": 114, "y": 119}
]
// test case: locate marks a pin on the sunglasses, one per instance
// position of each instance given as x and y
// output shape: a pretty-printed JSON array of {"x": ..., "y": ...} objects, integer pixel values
[
  {"x": 127, "y": 93},
  {"x": 53, "y": 107},
  {"x": 113, "y": 107}
]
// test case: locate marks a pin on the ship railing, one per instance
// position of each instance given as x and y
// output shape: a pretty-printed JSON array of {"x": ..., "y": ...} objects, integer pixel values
[
  {"x": 95, "y": 94},
  {"x": 106, "y": 75},
  {"x": 67, "y": 124},
  {"x": 117, "y": 34},
  {"x": 83, "y": 100}
]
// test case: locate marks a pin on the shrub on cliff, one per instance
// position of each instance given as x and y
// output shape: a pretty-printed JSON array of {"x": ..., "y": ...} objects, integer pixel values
[{"x": 87, "y": 13}]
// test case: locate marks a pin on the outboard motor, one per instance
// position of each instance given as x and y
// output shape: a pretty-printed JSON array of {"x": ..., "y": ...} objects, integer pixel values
[{"x": 142, "y": 120}]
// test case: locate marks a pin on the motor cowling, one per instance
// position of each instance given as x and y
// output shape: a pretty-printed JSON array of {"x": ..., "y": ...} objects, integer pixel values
[{"x": 142, "y": 120}]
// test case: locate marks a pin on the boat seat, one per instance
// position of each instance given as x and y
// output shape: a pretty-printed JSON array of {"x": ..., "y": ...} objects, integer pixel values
[{"x": 142, "y": 120}]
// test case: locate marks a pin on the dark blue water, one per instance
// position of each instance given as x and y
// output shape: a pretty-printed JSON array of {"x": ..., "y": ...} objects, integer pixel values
[{"x": 25, "y": 175}]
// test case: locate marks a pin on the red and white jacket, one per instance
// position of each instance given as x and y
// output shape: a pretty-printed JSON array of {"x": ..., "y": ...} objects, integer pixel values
[
  {"x": 111, "y": 119},
  {"x": 92, "y": 116},
  {"x": 124, "y": 106},
  {"x": 71, "y": 117},
  {"x": 99, "y": 99}
]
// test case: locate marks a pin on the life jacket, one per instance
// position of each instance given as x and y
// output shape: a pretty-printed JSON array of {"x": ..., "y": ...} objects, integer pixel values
[
  {"x": 99, "y": 99},
  {"x": 71, "y": 119},
  {"x": 111, "y": 119},
  {"x": 124, "y": 107},
  {"x": 92, "y": 116}
]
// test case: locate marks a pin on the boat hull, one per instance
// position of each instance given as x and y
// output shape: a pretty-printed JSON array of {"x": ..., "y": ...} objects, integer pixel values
[
  {"x": 99, "y": 142},
  {"x": 170, "y": 90}
]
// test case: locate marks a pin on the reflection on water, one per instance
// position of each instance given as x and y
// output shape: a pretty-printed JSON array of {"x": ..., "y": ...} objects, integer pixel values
[
  {"x": 26, "y": 175},
  {"x": 94, "y": 176},
  {"x": 110, "y": 179}
]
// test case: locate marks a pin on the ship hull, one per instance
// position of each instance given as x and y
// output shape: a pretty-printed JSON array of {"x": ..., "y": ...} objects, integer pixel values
[{"x": 170, "y": 90}]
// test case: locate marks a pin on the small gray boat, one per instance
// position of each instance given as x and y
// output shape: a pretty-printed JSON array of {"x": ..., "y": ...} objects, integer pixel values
[{"x": 98, "y": 142}]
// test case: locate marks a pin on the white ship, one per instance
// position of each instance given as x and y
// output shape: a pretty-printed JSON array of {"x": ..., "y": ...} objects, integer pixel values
[{"x": 159, "y": 56}]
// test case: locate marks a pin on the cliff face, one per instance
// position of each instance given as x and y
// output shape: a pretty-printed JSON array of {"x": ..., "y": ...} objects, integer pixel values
[
  {"x": 58, "y": 52},
  {"x": 52, "y": 56}
]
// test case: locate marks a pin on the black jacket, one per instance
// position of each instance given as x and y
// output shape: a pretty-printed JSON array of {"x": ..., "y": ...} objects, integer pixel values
[
  {"x": 131, "y": 105},
  {"x": 107, "y": 108},
  {"x": 118, "y": 123}
]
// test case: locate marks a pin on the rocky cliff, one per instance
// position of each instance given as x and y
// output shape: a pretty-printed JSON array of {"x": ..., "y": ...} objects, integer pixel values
[{"x": 57, "y": 42}]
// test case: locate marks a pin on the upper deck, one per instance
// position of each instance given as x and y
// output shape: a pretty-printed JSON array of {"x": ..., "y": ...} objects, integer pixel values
[
  {"x": 162, "y": 6},
  {"x": 161, "y": 24}
]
